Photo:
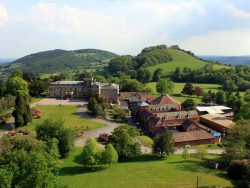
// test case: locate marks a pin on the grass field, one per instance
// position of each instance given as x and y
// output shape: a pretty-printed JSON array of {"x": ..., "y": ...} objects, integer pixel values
[
  {"x": 146, "y": 171},
  {"x": 66, "y": 113},
  {"x": 182, "y": 59},
  {"x": 146, "y": 141},
  {"x": 179, "y": 86}
]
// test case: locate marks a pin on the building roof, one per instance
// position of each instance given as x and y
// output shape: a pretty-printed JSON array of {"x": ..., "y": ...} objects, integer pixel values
[
  {"x": 187, "y": 123},
  {"x": 192, "y": 113},
  {"x": 143, "y": 104},
  {"x": 219, "y": 120},
  {"x": 213, "y": 109},
  {"x": 165, "y": 99},
  {"x": 191, "y": 136},
  {"x": 127, "y": 95},
  {"x": 108, "y": 85},
  {"x": 67, "y": 83}
]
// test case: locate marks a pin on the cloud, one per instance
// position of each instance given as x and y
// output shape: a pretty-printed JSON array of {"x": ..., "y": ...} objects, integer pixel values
[
  {"x": 237, "y": 12},
  {"x": 170, "y": 10},
  {"x": 232, "y": 42},
  {"x": 4, "y": 18}
]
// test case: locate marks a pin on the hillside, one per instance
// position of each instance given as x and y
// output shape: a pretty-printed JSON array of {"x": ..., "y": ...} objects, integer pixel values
[
  {"x": 155, "y": 57},
  {"x": 232, "y": 60},
  {"x": 59, "y": 60},
  {"x": 182, "y": 59}
]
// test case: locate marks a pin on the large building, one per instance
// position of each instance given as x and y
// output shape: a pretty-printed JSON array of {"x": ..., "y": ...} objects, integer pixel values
[{"x": 84, "y": 89}]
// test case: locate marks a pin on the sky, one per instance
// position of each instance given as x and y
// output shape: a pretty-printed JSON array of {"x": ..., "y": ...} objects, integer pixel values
[{"x": 206, "y": 27}]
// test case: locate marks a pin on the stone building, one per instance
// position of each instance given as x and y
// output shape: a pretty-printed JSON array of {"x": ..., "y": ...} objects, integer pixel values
[{"x": 84, "y": 89}]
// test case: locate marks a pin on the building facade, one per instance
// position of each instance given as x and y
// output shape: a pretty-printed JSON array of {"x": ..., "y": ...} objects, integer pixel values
[{"x": 84, "y": 89}]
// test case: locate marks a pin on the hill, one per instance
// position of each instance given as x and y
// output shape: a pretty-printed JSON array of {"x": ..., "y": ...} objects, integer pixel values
[
  {"x": 182, "y": 59},
  {"x": 232, "y": 60},
  {"x": 59, "y": 60},
  {"x": 161, "y": 56}
]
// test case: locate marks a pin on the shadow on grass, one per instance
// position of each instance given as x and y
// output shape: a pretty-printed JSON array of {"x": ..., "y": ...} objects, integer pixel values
[
  {"x": 66, "y": 171},
  {"x": 143, "y": 158}
]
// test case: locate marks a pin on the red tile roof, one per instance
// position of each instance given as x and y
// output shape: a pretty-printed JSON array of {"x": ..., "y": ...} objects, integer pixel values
[
  {"x": 191, "y": 136},
  {"x": 165, "y": 99}
]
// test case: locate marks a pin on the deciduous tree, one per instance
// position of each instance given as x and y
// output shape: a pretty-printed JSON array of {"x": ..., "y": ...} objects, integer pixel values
[{"x": 163, "y": 144}]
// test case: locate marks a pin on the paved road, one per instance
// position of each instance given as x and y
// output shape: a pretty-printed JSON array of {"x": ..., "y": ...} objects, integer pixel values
[{"x": 110, "y": 126}]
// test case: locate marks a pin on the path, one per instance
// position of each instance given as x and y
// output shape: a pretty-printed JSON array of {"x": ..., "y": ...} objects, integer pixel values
[{"x": 110, "y": 126}]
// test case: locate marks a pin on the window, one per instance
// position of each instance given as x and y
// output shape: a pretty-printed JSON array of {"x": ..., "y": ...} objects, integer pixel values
[{"x": 179, "y": 116}]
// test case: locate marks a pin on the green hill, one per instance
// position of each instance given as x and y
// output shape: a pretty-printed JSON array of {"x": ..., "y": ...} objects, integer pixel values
[
  {"x": 182, "y": 59},
  {"x": 160, "y": 56},
  {"x": 59, "y": 60}
]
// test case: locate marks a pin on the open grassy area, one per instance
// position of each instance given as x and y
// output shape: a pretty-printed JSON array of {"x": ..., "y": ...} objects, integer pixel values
[
  {"x": 66, "y": 113},
  {"x": 179, "y": 86},
  {"x": 146, "y": 171},
  {"x": 181, "y": 60},
  {"x": 146, "y": 141}
]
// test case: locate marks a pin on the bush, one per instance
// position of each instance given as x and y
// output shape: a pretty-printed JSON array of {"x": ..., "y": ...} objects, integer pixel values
[{"x": 238, "y": 169}]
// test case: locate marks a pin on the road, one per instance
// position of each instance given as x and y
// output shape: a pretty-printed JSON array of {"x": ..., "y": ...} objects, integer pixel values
[{"x": 110, "y": 126}]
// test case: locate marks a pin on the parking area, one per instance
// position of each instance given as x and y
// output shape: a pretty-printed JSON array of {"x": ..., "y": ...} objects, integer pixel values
[{"x": 56, "y": 101}]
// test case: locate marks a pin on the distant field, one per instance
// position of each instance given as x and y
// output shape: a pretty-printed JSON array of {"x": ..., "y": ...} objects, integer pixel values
[
  {"x": 146, "y": 171},
  {"x": 181, "y": 60},
  {"x": 66, "y": 113},
  {"x": 179, "y": 86}
]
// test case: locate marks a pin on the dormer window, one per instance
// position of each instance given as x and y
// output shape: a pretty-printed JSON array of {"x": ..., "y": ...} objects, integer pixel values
[
  {"x": 179, "y": 116},
  {"x": 165, "y": 117}
]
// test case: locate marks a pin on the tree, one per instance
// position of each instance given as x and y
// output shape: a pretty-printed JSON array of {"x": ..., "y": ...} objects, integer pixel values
[
  {"x": 237, "y": 142},
  {"x": 143, "y": 75},
  {"x": 247, "y": 96},
  {"x": 2, "y": 88},
  {"x": 124, "y": 144},
  {"x": 188, "y": 104},
  {"x": 22, "y": 112},
  {"x": 157, "y": 75},
  {"x": 220, "y": 98},
  {"x": 164, "y": 86},
  {"x": 228, "y": 85},
  {"x": 185, "y": 154},
  {"x": 91, "y": 154},
  {"x": 37, "y": 87},
  {"x": 109, "y": 155},
  {"x": 244, "y": 112},
  {"x": 25, "y": 163},
  {"x": 188, "y": 89},
  {"x": 163, "y": 144},
  {"x": 17, "y": 85},
  {"x": 198, "y": 91},
  {"x": 50, "y": 129}
]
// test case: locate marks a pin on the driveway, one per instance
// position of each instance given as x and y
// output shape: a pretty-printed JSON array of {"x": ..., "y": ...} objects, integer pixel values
[
  {"x": 110, "y": 126},
  {"x": 57, "y": 101}
]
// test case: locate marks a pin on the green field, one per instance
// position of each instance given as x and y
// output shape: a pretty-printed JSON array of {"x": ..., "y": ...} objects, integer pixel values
[
  {"x": 66, "y": 113},
  {"x": 179, "y": 86},
  {"x": 182, "y": 59},
  {"x": 146, "y": 171}
]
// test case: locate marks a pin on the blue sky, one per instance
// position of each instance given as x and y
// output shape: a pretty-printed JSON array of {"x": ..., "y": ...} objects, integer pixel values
[{"x": 206, "y": 27}]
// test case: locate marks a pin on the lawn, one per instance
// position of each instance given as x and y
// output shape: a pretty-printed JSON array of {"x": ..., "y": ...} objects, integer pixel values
[
  {"x": 181, "y": 60},
  {"x": 206, "y": 146},
  {"x": 146, "y": 141},
  {"x": 146, "y": 171},
  {"x": 66, "y": 113},
  {"x": 179, "y": 86}
]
